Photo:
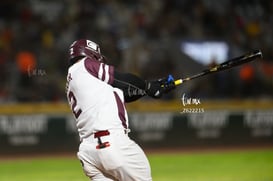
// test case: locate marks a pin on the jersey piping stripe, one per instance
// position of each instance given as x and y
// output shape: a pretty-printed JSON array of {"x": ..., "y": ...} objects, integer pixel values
[
  {"x": 121, "y": 110},
  {"x": 106, "y": 73}
]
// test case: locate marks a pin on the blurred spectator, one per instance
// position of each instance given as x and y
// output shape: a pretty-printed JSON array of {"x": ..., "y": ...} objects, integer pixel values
[
  {"x": 248, "y": 83},
  {"x": 26, "y": 62}
]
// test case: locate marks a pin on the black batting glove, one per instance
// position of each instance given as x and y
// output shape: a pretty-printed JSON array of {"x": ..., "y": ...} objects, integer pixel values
[
  {"x": 157, "y": 88},
  {"x": 154, "y": 89}
]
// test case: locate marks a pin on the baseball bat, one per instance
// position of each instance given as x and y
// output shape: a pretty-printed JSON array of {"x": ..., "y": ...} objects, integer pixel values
[{"x": 223, "y": 66}]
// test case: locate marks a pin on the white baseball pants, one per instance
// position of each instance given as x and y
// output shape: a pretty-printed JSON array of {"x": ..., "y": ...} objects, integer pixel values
[{"x": 123, "y": 160}]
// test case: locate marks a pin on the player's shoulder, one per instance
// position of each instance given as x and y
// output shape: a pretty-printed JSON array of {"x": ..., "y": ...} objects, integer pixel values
[
  {"x": 91, "y": 65},
  {"x": 88, "y": 62}
]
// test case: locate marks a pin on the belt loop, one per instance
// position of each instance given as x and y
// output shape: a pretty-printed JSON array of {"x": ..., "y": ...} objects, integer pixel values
[{"x": 126, "y": 131}]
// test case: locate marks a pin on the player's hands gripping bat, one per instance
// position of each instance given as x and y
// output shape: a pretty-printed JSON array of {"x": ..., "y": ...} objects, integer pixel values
[{"x": 157, "y": 88}]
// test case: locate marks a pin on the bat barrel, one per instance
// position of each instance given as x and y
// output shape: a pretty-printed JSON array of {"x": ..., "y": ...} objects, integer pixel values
[
  {"x": 224, "y": 66},
  {"x": 258, "y": 53}
]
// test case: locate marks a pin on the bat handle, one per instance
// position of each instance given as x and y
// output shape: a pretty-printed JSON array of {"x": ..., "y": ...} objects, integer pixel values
[{"x": 178, "y": 82}]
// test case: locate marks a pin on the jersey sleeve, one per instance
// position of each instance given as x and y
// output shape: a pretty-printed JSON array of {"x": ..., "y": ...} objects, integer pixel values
[
  {"x": 100, "y": 70},
  {"x": 132, "y": 86}
]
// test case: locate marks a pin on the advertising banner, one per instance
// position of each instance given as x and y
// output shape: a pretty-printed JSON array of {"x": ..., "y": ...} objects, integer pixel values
[{"x": 45, "y": 133}]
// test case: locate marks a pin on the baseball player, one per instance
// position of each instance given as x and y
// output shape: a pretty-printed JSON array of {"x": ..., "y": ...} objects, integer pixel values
[{"x": 96, "y": 93}]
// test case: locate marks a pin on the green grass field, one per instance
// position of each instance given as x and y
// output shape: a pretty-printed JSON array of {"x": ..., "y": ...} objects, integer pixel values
[{"x": 255, "y": 165}]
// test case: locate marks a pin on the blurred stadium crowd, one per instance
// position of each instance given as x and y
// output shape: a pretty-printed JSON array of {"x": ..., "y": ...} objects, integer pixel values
[{"x": 138, "y": 36}]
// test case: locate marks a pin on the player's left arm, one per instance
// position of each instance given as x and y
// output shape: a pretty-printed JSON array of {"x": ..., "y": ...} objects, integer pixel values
[{"x": 133, "y": 87}]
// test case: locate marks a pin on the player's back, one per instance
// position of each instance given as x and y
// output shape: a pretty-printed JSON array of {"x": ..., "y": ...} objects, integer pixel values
[{"x": 92, "y": 100}]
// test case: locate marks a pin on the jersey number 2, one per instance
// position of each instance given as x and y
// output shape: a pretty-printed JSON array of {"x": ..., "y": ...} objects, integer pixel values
[{"x": 73, "y": 103}]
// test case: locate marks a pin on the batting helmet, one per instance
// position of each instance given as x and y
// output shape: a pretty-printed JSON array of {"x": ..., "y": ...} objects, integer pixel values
[{"x": 84, "y": 48}]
